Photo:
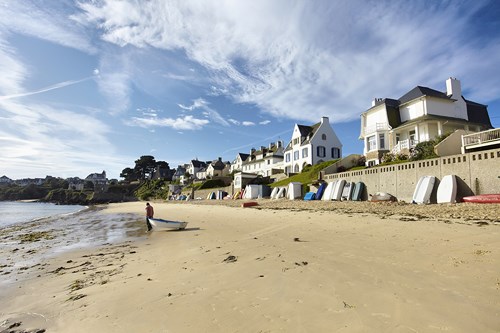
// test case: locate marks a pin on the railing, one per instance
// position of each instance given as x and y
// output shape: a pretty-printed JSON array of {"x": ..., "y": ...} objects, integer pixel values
[
  {"x": 404, "y": 144},
  {"x": 376, "y": 127},
  {"x": 481, "y": 137}
]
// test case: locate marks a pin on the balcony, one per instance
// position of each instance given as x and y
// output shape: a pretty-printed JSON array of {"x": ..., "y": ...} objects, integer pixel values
[
  {"x": 481, "y": 139},
  {"x": 377, "y": 127},
  {"x": 404, "y": 144}
]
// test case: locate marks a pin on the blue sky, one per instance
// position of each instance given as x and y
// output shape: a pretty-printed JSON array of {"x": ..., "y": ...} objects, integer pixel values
[{"x": 87, "y": 86}]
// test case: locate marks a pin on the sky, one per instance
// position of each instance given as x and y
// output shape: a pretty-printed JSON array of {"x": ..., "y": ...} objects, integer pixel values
[{"x": 92, "y": 85}]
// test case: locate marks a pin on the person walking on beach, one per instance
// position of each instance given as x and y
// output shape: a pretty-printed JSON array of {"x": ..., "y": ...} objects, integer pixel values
[{"x": 149, "y": 214}]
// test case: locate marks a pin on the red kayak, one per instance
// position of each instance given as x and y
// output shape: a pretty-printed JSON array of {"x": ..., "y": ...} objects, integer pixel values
[{"x": 483, "y": 198}]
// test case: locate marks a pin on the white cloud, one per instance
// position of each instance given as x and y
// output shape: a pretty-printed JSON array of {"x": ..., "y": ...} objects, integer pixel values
[
  {"x": 41, "y": 139},
  {"x": 265, "y": 122},
  {"x": 49, "y": 22},
  {"x": 248, "y": 123},
  {"x": 184, "y": 123},
  {"x": 234, "y": 121},
  {"x": 209, "y": 112},
  {"x": 303, "y": 61},
  {"x": 198, "y": 103}
]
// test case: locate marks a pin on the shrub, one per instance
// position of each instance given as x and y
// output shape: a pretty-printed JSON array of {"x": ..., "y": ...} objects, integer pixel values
[{"x": 212, "y": 183}]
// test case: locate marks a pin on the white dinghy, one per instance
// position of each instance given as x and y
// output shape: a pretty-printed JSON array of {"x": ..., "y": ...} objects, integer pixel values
[{"x": 160, "y": 224}]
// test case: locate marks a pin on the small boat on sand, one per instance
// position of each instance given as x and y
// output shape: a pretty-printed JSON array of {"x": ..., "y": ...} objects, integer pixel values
[
  {"x": 483, "y": 198},
  {"x": 382, "y": 197},
  {"x": 160, "y": 224}
]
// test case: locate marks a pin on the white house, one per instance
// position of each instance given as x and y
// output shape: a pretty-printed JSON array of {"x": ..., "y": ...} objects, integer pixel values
[
  {"x": 194, "y": 166},
  {"x": 311, "y": 145},
  {"x": 420, "y": 115},
  {"x": 218, "y": 168},
  {"x": 266, "y": 161},
  {"x": 237, "y": 163},
  {"x": 99, "y": 180}
]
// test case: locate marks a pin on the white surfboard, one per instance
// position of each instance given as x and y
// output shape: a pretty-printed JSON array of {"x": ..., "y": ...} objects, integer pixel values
[
  {"x": 423, "y": 190},
  {"x": 274, "y": 193},
  {"x": 327, "y": 195},
  {"x": 337, "y": 190},
  {"x": 447, "y": 189}
]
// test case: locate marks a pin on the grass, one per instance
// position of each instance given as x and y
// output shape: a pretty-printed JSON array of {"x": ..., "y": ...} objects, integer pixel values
[{"x": 306, "y": 177}]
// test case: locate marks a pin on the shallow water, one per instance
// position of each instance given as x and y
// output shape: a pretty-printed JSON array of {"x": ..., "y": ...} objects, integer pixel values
[
  {"x": 26, "y": 246},
  {"x": 12, "y": 212}
]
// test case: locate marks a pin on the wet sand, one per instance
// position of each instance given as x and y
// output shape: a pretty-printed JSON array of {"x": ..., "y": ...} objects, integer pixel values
[{"x": 279, "y": 266}]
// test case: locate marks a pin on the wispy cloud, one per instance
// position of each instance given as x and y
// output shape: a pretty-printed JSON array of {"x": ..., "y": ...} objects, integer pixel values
[
  {"x": 207, "y": 111},
  {"x": 265, "y": 122},
  {"x": 248, "y": 123},
  {"x": 181, "y": 123},
  {"x": 46, "y": 89},
  {"x": 39, "y": 138},
  {"x": 314, "y": 66},
  {"x": 48, "y": 21}
]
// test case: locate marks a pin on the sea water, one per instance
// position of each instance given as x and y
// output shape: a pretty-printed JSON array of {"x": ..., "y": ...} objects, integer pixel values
[
  {"x": 63, "y": 228},
  {"x": 12, "y": 212}
]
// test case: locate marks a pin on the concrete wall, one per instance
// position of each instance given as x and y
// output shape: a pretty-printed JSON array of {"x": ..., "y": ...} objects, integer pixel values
[{"x": 477, "y": 173}]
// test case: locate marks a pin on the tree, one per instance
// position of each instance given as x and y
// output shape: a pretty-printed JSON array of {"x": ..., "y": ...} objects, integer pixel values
[
  {"x": 129, "y": 174},
  {"x": 145, "y": 166},
  {"x": 88, "y": 185}
]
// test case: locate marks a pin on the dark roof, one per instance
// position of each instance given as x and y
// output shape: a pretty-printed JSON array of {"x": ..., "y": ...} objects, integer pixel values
[
  {"x": 478, "y": 113},
  {"x": 243, "y": 156},
  {"x": 419, "y": 91},
  {"x": 198, "y": 164},
  {"x": 304, "y": 130}
]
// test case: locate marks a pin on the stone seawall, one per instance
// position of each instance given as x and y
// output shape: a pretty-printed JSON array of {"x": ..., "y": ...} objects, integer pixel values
[{"x": 477, "y": 173}]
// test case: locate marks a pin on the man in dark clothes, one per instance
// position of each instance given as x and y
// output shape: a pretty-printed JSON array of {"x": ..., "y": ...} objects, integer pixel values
[{"x": 149, "y": 214}]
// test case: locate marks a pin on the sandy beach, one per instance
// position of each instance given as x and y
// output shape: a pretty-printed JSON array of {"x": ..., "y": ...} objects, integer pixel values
[{"x": 281, "y": 266}]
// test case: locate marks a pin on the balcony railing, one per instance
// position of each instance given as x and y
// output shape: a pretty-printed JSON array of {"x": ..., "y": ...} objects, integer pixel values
[
  {"x": 486, "y": 137},
  {"x": 376, "y": 128},
  {"x": 404, "y": 144}
]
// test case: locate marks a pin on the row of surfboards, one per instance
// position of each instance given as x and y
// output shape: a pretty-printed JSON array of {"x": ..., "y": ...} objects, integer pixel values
[
  {"x": 446, "y": 191},
  {"x": 338, "y": 190}
]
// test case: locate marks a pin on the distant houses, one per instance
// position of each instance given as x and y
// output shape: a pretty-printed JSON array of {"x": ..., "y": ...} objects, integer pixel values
[
  {"x": 264, "y": 162},
  {"x": 422, "y": 114},
  {"x": 99, "y": 180},
  {"x": 4, "y": 180}
]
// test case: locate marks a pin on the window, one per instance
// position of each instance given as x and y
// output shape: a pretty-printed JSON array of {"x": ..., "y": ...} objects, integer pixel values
[
  {"x": 287, "y": 157},
  {"x": 371, "y": 143},
  {"x": 381, "y": 139},
  {"x": 335, "y": 152},
  {"x": 296, "y": 141},
  {"x": 296, "y": 155},
  {"x": 323, "y": 136},
  {"x": 304, "y": 153},
  {"x": 321, "y": 151},
  {"x": 268, "y": 162}
]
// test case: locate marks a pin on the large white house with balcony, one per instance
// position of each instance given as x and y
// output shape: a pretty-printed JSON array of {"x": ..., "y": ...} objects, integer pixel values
[
  {"x": 311, "y": 145},
  {"x": 420, "y": 115}
]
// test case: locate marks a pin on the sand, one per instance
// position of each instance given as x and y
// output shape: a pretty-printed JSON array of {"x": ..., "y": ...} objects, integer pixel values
[{"x": 287, "y": 266}]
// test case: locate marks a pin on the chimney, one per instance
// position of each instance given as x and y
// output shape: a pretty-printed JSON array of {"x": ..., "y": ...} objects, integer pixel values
[
  {"x": 252, "y": 151},
  {"x": 324, "y": 119},
  {"x": 374, "y": 101},
  {"x": 453, "y": 88},
  {"x": 219, "y": 159}
]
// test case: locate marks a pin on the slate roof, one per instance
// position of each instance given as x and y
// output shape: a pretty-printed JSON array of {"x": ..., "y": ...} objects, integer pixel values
[
  {"x": 419, "y": 91},
  {"x": 478, "y": 113},
  {"x": 198, "y": 164}
]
